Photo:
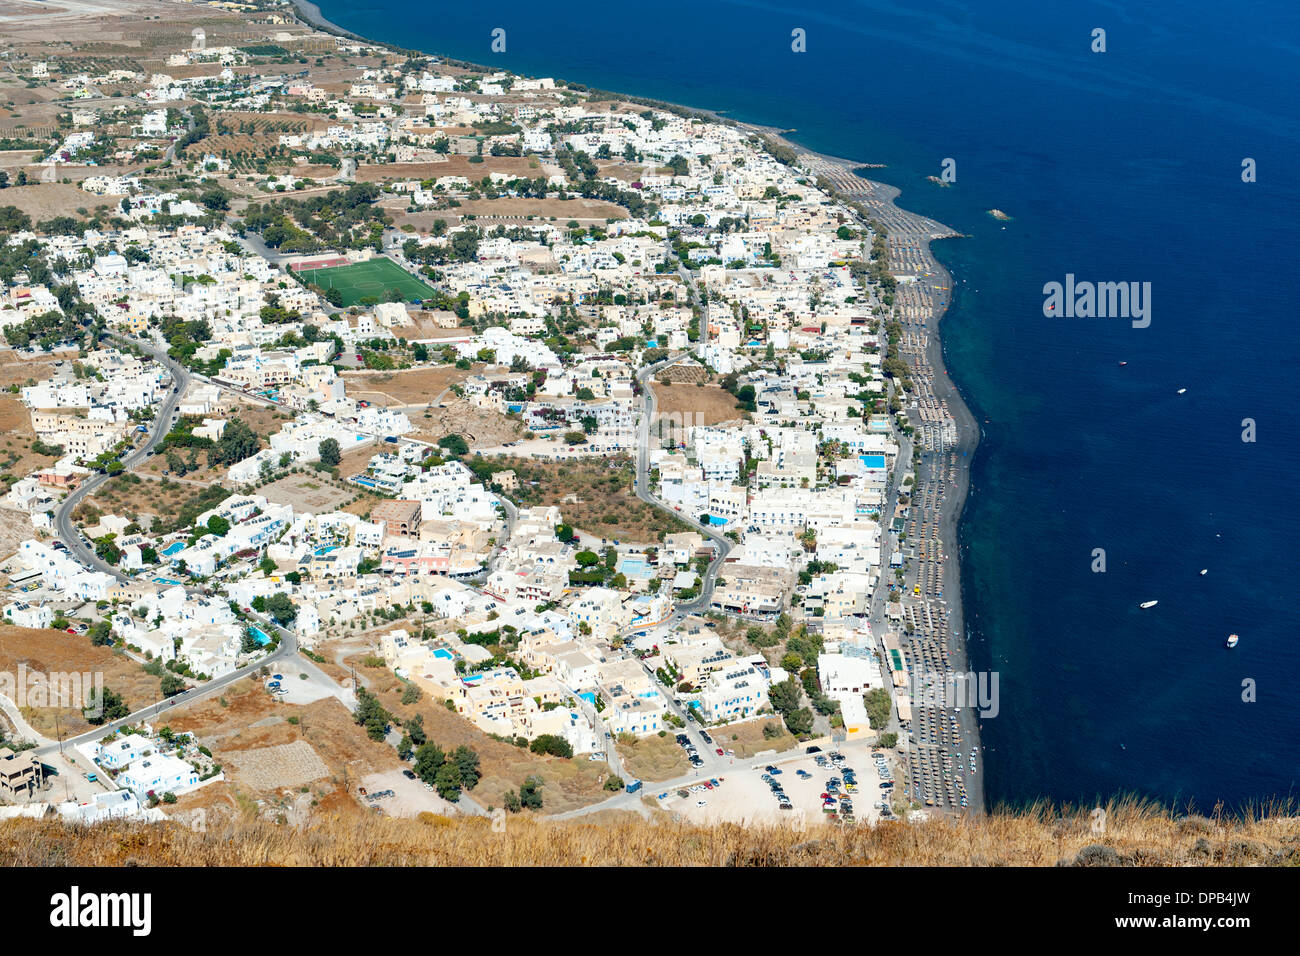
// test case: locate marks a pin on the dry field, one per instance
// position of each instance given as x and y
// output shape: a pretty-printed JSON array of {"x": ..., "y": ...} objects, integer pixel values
[
  {"x": 250, "y": 733},
  {"x": 480, "y": 427},
  {"x": 49, "y": 651},
  {"x": 605, "y": 505},
  {"x": 421, "y": 325},
  {"x": 747, "y": 739},
  {"x": 414, "y": 386},
  {"x": 684, "y": 373},
  {"x": 1137, "y": 834},
  {"x": 315, "y": 492},
  {"x": 568, "y": 784},
  {"x": 147, "y": 500},
  {"x": 16, "y": 455},
  {"x": 46, "y": 200},
  {"x": 15, "y": 528},
  {"x": 653, "y": 758},
  {"x": 12, "y": 159},
  {"x": 452, "y": 166},
  {"x": 696, "y": 404},
  {"x": 560, "y": 209}
]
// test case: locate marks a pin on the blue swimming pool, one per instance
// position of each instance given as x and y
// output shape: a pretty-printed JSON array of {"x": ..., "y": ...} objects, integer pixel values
[
  {"x": 635, "y": 567},
  {"x": 259, "y": 635},
  {"x": 873, "y": 461},
  {"x": 443, "y": 653}
]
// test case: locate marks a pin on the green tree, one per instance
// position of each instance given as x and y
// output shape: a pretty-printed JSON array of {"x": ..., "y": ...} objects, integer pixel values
[
  {"x": 799, "y": 721},
  {"x": 281, "y": 608},
  {"x": 329, "y": 452},
  {"x": 530, "y": 793},
  {"x": 171, "y": 685},
  {"x": 447, "y": 780},
  {"x": 429, "y": 759},
  {"x": 454, "y": 444},
  {"x": 370, "y": 714},
  {"x": 109, "y": 707},
  {"x": 238, "y": 441},
  {"x": 785, "y": 695},
  {"x": 552, "y": 744},
  {"x": 467, "y": 765}
]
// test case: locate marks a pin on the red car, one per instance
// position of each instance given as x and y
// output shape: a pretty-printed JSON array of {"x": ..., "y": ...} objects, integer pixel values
[{"x": 719, "y": 751}]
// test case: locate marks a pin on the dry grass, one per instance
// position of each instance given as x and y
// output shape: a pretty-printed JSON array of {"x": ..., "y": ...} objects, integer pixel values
[
  {"x": 653, "y": 758},
  {"x": 480, "y": 427},
  {"x": 416, "y": 386},
  {"x": 605, "y": 504},
  {"x": 1138, "y": 834},
  {"x": 747, "y": 739},
  {"x": 50, "y": 652},
  {"x": 696, "y": 404},
  {"x": 453, "y": 166},
  {"x": 47, "y": 200},
  {"x": 568, "y": 784}
]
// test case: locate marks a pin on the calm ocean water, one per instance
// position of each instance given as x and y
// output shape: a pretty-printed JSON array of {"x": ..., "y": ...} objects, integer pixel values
[{"x": 1123, "y": 165}]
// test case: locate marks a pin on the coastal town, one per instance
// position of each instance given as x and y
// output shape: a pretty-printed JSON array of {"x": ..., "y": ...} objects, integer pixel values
[{"x": 389, "y": 434}]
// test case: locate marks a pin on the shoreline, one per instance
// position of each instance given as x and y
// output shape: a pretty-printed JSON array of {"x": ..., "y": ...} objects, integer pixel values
[{"x": 937, "y": 287}]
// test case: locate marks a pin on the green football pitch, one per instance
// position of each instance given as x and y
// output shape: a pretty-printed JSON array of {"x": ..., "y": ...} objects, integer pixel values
[{"x": 370, "y": 279}]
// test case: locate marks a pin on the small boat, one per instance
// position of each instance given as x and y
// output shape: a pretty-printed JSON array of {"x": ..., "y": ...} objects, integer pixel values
[
  {"x": 1122, "y": 364},
  {"x": 1181, "y": 390},
  {"x": 1147, "y": 604},
  {"x": 1232, "y": 640},
  {"x": 1204, "y": 570}
]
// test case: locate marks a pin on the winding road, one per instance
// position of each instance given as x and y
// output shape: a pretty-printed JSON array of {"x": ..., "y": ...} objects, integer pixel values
[{"x": 77, "y": 546}]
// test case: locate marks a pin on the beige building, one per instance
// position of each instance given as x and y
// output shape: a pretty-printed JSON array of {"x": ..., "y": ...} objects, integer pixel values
[
  {"x": 19, "y": 773},
  {"x": 399, "y": 517}
]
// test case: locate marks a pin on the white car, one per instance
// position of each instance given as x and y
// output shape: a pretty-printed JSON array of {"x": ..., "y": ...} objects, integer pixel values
[{"x": 701, "y": 803}]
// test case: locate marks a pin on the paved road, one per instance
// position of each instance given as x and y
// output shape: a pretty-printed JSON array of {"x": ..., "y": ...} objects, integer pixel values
[
  {"x": 722, "y": 543},
  {"x": 86, "y": 555},
  {"x": 63, "y": 523}
]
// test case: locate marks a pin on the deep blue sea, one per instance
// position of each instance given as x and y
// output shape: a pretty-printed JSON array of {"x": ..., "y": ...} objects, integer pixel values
[{"x": 1116, "y": 166}]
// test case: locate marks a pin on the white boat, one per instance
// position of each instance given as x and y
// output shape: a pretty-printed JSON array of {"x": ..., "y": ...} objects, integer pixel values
[
  {"x": 1181, "y": 390},
  {"x": 1205, "y": 570},
  {"x": 1147, "y": 604},
  {"x": 1232, "y": 640}
]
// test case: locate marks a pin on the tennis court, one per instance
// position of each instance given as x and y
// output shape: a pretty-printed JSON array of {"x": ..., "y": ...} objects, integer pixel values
[{"x": 370, "y": 279}]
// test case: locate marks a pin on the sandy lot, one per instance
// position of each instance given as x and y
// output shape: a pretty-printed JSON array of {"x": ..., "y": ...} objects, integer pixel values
[
  {"x": 45, "y": 200},
  {"x": 409, "y": 798},
  {"x": 414, "y": 386},
  {"x": 481, "y": 427},
  {"x": 594, "y": 494},
  {"x": 562, "y": 209},
  {"x": 654, "y": 758},
  {"x": 252, "y": 720},
  {"x": 681, "y": 406},
  {"x": 315, "y": 492}
]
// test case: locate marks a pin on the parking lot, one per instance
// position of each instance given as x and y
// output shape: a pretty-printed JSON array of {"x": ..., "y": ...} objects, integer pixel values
[
  {"x": 395, "y": 794},
  {"x": 742, "y": 795}
]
